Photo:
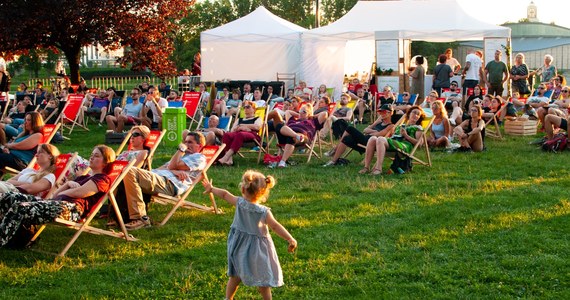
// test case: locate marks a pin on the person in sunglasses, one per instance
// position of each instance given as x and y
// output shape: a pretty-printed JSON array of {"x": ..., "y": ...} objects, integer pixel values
[{"x": 246, "y": 129}]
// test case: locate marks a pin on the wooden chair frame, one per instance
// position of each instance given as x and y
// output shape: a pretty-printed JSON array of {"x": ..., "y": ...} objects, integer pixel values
[
  {"x": 153, "y": 140},
  {"x": 212, "y": 153}
]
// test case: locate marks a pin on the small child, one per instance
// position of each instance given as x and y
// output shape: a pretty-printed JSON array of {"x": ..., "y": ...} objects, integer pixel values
[{"x": 252, "y": 258}]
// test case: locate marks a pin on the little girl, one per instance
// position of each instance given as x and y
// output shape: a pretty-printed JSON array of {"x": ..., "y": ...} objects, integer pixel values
[{"x": 251, "y": 253}]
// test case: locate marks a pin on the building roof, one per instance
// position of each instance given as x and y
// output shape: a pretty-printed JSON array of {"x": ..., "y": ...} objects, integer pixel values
[{"x": 537, "y": 29}]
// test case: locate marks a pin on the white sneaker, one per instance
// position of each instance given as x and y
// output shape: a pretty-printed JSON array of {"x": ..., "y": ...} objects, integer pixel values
[
  {"x": 329, "y": 163},
  {"x": 282, "y": 164}
]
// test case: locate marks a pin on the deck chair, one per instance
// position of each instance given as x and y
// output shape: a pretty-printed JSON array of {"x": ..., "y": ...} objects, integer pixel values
[
  {"x": 70, "y": 114},
  {"x": 470, "y": 92},
  {"x": 426, "y": 125},
  {"x": 152, "y": 142},
  {"x": 48, "y": 132},
  {"x": 211, "y": 153},
  {"x": 118, "y": 172},
  {"x": 496, "y": 131},
  {"x": 260, "y": 112},
  {"x": 62, "y": 165},
  {"x": 225, "y": 123},
  {"x": 191, "y": 103}
]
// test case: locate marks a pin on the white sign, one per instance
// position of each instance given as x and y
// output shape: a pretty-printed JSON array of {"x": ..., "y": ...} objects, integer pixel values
[
  {"x": 392, "y": 81},
  {"x": 387, "y": 54}
]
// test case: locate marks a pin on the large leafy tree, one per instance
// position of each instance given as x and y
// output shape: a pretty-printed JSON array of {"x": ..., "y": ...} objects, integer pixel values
[{"x": 144, "y": 27}]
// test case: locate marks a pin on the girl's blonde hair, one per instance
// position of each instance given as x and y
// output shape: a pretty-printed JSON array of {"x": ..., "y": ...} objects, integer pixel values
[
  {"x": 257, "y": 185},
  {"x": 52, "y": 151}
]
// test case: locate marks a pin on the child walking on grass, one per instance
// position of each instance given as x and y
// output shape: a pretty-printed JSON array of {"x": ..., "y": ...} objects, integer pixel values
[{"x": 252, "y": 258}]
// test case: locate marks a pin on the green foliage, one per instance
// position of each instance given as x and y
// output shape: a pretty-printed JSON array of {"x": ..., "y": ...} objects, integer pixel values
[
  {"x": 431, "y": 51},
  {"x": 335, "y": 9},
  {"x": 475, "y": 225}
]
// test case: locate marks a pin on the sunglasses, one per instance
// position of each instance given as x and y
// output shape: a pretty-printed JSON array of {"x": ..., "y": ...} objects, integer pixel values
[
  {"x": 541, "y": 88},
  {"x": 136, "y": 134},
  {"x": 302, "y": 111},
  {"x": 247, "y": 106}
]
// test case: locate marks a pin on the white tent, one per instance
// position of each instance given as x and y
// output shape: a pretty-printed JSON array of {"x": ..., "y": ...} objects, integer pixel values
[
  {"x": 254, "y": 47},
  {"x": 327, "y": 49}
]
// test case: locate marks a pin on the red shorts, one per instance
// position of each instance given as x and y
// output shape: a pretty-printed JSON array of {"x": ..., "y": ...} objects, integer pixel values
[{"x": 131, "y": 121}]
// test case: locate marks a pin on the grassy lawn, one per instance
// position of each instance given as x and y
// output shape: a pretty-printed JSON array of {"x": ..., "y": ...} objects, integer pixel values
[{"x": 475, "y": 225}]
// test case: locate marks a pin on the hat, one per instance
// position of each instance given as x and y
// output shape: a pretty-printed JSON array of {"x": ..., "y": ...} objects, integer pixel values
[{"x": 387, "y": 107}]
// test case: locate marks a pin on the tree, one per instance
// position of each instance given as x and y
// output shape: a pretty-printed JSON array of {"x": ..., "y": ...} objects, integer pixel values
[{"x": 144, "y": 27}]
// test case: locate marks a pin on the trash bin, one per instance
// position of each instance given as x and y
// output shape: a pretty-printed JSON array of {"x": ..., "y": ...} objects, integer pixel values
[{"x": 174, "y": 121}]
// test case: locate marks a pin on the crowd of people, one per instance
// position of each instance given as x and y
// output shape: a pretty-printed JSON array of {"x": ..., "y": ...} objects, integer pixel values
[{"x": 296, "y": 117}]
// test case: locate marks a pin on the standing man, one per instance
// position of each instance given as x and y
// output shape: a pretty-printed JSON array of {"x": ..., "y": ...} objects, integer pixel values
[
  {"x": 473, "y": 70},
  {"x": 496, "y": 74}
]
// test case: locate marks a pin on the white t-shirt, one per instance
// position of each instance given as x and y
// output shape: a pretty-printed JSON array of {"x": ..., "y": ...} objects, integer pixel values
[
  {"x": 162, "y": 103},
  {"x": 27, "y": 176},
  {"x": 476, "y": 64}
]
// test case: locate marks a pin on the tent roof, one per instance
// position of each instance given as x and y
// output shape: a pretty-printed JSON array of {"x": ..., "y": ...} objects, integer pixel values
[
  {"x": 436, "y": 21},
  {"x": 260, "y": 24}
]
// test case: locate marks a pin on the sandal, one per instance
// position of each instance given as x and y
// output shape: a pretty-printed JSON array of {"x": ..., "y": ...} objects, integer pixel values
[
  {"x": 376, "y": 172},
  {"x": 363, "y": 171}
]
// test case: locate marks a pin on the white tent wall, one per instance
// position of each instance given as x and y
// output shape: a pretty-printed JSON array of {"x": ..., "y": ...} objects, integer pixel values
[
  {"x": 249, "y": 61},
  {"x": 434, "y": 21},
  {"x": 254, "y": 47}
]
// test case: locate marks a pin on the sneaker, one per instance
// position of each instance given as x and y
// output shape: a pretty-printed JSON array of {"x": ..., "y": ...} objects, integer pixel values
[
  {"x": 100, "y": 124},
  {"x": 330, "y": 152},
  {"x": 329, "y": 163},
  {"x": 282, "y": 164},
  {"x": 138, "y": 224},
  {"x": 300, "y": 138}
]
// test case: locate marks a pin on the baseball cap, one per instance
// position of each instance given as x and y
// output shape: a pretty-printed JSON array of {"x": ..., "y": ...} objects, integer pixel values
[{"x": 387, "y": 107}]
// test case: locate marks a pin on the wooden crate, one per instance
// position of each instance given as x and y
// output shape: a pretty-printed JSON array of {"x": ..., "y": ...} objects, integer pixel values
[{"x": 526, "y": 127}]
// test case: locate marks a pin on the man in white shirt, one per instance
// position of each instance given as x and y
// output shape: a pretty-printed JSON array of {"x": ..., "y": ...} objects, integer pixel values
[
  {"x": 473, "y": 70},
  {"x": 247, "y": 94},
  {"x": 156, "y": 105}
]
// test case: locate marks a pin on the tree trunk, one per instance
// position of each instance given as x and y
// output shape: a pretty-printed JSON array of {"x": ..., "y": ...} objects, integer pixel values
[{"x": 73, "y": 56}]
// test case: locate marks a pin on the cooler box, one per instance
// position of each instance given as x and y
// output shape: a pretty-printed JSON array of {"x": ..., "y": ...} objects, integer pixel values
[{"x": 174, "y": 121}]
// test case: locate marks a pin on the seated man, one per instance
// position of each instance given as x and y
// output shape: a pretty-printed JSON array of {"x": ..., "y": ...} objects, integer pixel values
[
  {"x": 173, "y": 178},
  {"x": 213, "y": 134},
  {"x": 152, "y": 110},
  {"x": 354, "y": 139},
  {"x": 270, "y": 95},
  {"x": 97, "y": 104},
  {"x": 402, "y": 106},
  {"x": 364, "y": 101},
  {"x": 454, "y": 91},
  {"x": 539, "y": 102},
  {"x": 259, "y": 102},
  {"x": 130, "y": 114}
]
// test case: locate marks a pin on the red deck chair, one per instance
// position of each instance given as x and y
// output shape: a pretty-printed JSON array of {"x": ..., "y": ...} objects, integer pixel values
[
  {"x": 70, "y": 113},
  {"x": 152, "y": 142},
  {"x": 62, "y": 165},
  {"x": 191, "y": 103},
  {"x": 211, "y": 153},
  {"x": 118, "y": 172}
]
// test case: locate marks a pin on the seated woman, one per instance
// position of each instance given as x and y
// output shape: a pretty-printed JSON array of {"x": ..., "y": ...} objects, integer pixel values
[
  {"x": 432, "y": 96},
  {"x": 10, "y": 124},
  {"x": 35, "y": 182},
  {"x": 560, "y": 106},
  {"x": 72, "y": 201},
  {"x": 404, "y": 138},
  {"x": 352, "y": 138},
  {"x": 440, "y": 130},
  {"x": 338, "y": 121},
  {"x": 232, "y": 105},
  {"x": 244, "y": 130},
  {"x": 471, "y": 132},
  {"x": 139, "y": 150},
  {"x": 322, "y": 92},
  {"x": 17, "y": 155},
  {"x": 495, "y": 106},
  {"x": 297, "y": 131},
  {"x": 477, "y": 94}
]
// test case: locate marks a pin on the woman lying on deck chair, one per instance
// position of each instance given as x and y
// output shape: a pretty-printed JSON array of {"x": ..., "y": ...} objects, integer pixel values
[
  {"x": 31, "y": 181},
  {"x": 297, "y": 132},
  {"x": 72, "y": 201}
]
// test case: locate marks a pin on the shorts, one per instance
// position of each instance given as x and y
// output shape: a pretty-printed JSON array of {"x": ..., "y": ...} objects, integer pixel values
[
  {"x": 564, "y": 124},
  {"x": 131, "y": 121}
]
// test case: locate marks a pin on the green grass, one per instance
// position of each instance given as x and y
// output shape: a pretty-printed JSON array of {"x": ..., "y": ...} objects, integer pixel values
[{"x": 475, "y": 225}]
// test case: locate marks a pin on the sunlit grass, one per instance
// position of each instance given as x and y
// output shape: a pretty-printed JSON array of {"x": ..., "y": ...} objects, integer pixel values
[{"x": 475, "y": 225}]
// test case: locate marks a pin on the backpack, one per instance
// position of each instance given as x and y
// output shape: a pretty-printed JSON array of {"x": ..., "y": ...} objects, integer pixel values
[
  {"x": 401, "y": 164},
  {"x": 555, "y": 144},
  {"x": 22, "y": 237}
]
